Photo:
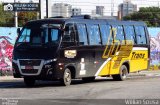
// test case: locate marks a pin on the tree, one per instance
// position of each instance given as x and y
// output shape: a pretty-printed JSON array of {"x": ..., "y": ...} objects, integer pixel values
[
  {"x": 23, "y": 17},
  {"x": 150, "y": 15}
]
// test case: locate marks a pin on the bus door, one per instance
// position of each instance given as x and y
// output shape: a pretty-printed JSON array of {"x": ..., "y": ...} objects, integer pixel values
[
  {"x": 85, "y": 51},
  {"x": 95, "y": 42}
]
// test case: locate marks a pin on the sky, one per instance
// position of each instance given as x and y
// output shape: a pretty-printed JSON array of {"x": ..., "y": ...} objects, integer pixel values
[{"x": 88, "y": 5}]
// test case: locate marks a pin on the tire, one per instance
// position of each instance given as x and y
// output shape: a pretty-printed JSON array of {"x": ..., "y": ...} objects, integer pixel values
[
  {"x": 88, "y": 79},
  {"x": 122, "y": 75},
  {"x": 67, "y": 78},
  {"x": 30, "y": 82}
]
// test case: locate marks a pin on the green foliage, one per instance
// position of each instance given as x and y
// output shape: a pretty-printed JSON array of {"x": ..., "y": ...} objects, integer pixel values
[
  {"x": 23, "y": 17},
  {"x": 151, "y": 15}
]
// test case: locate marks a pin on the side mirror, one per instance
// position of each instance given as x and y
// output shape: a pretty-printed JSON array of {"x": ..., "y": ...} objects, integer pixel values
[{"x": 18, "y": 31}]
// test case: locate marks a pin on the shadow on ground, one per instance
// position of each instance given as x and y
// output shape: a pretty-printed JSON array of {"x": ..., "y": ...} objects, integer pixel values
[{"x": 39, "y": 84}]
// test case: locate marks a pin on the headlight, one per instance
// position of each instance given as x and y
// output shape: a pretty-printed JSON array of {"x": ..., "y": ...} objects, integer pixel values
[{"x": 49, "y": 61}]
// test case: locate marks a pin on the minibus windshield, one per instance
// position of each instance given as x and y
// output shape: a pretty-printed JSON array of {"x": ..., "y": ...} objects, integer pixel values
[{"x": 39, "y": 35}]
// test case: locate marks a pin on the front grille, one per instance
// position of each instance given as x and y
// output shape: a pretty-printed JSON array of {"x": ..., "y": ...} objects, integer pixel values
[
  {"x": 30, "y": 71},
  {"x": 30, "y": 62}
]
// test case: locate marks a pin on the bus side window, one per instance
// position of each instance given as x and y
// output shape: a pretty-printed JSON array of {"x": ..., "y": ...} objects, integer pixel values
[
  {"x": 94, "y": 35},
  {"x": 82, "y": 33},
  {"x": 140, "y": 34},
  {"x": 119, "y": 33},
  {"x": 105, "y": 32},
  {"x": 69, "y": 34},
  {"x": 130, "y": 34}
]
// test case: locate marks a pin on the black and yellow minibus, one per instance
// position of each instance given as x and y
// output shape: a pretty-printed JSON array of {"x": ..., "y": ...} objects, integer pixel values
[{"x": 79, "y": 47}]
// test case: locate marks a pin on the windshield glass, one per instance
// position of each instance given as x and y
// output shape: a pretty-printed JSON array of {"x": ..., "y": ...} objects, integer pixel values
[{"x": 41, "y": 35}]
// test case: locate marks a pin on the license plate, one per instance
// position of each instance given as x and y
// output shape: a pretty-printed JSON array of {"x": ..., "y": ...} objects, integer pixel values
[{"x": 29, "y": 67}]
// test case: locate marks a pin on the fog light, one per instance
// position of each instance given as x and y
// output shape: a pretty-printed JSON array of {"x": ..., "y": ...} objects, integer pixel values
[
  {"x": 47, "y": 66},
  {"x": 60, "y": 64}
]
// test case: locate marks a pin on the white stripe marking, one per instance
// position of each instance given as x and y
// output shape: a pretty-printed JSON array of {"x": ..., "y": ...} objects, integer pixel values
[
  {"x": 99, "y": 70},
  {"x": 134, "y": 48},
  {"x": 139, "y": 48}
]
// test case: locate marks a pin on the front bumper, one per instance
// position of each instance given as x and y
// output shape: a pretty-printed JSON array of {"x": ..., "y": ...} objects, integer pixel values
[{"x": 46, "y": 69}]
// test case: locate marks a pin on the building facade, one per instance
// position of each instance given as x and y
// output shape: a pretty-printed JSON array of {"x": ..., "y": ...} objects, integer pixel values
[
  {"x": 126, "y": 8},
  {"x": 61, "y": 9},
  {"x": 100, "y": 10},
  {"x": 76, "y": 11}
]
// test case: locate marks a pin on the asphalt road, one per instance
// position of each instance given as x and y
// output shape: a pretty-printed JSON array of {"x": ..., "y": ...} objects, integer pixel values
[{"x": 101, "y": 91}]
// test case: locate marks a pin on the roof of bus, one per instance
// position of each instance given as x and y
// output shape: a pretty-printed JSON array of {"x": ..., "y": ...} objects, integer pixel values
[{"x": 94, "y": 21}]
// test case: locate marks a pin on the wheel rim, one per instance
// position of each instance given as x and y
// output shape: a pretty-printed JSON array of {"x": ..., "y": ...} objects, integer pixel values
[
  {"x": 67, "y": 77},
  {"x": 124, "y": 73}
]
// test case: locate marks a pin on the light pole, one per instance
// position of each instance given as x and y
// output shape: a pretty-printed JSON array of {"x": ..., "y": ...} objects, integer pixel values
[
  {"x": 40, "y": 9},
  {"x": 112, "y": 8},
  {"x": 47, "y": 9},
  {"x": 15, "y": 17}
]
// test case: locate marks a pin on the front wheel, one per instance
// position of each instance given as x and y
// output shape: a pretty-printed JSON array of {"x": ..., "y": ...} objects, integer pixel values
[
  {"x": 122, "y": 75},
  {"x": 66, "y": 80},
  {"x": 29, "y": 81}
]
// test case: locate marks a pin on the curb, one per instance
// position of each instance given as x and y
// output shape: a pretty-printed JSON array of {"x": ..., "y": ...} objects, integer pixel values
[
  {"x": 6, "y": 78},
  {"x": 146, "y": 73}
]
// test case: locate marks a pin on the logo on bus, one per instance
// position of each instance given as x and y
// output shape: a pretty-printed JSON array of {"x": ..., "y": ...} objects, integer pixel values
[
  {"x": 138, "y": 55},
  {"x": 70, "y": 53}
]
